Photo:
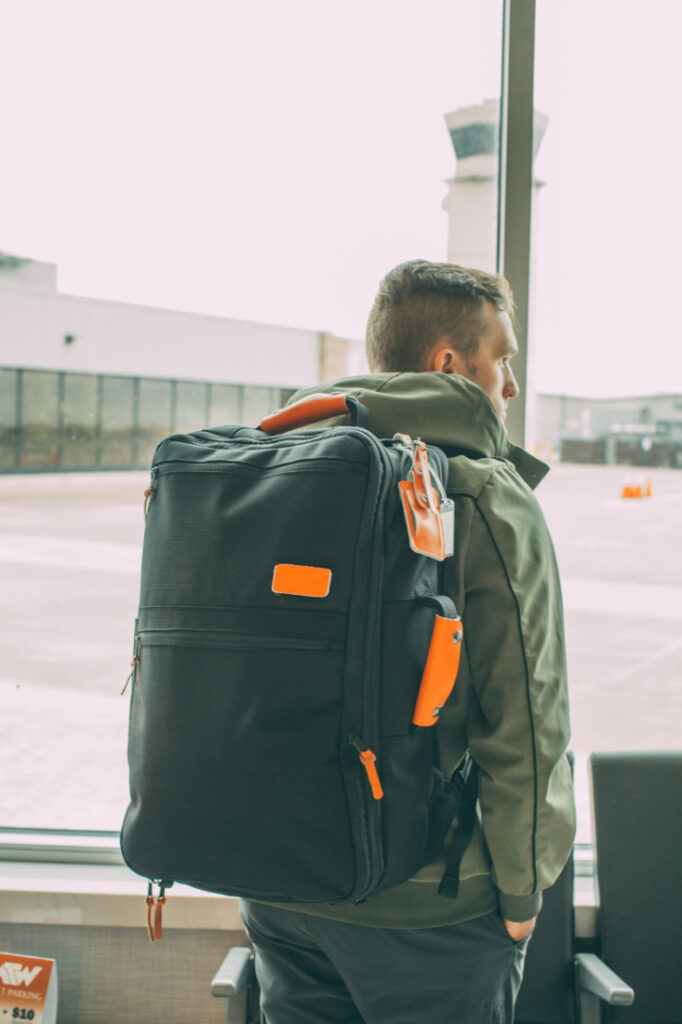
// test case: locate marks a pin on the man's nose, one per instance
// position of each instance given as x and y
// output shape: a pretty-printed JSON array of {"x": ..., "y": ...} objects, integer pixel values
[{"x": 511, "y": 387}]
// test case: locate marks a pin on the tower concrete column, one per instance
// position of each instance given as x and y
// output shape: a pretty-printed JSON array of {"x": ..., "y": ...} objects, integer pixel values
[{"x": 472, "y": 207}]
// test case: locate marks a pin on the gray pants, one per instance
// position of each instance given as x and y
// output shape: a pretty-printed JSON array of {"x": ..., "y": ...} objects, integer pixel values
[{"x": 312, "y": 970}]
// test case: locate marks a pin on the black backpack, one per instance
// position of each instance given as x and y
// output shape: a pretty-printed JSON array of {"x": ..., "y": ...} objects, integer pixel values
[{"x": 293, "y": 648}]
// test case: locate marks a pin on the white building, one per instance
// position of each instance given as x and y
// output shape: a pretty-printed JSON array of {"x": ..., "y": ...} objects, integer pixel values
[{"x": 94, "y": 384}]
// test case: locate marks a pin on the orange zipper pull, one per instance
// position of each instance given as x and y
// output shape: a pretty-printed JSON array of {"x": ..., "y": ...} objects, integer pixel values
[
  {"x": 154, "y": 912},
  {"x": 368, "y": 762}
]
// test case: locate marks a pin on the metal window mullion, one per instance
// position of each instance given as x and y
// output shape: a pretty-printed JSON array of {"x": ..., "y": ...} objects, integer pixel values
[
  {"x": 19, "y": 418},
  {"x": 173, "y": 405},
  {"x": 135, "y": 425},
  {"x": 61, "y": 399},
  {"x": 208, "y": 393},
  {"x": 99, "y": 419},
  {"x": 516, "y": 183}
]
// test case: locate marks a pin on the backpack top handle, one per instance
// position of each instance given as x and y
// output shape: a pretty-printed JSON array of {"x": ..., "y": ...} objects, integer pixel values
[{"x": 313, "y": 408}]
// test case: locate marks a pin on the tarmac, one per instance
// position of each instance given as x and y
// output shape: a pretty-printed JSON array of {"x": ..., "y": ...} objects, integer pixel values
[{"x": 70, "y": 554}]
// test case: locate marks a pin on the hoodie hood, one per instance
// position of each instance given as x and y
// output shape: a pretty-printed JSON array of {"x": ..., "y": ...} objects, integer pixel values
[{"x": 442, "y": 409}]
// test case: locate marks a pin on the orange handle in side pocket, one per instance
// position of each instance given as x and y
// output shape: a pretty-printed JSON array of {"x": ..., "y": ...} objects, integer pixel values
[
  {"x": 306, "y": 410},
  {"x": 440, "y": 671}
]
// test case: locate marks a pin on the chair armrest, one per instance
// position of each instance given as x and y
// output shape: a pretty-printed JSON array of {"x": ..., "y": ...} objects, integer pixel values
[
  {"x": 594, "y": 976},
  {"x": 235, "y": 972}
]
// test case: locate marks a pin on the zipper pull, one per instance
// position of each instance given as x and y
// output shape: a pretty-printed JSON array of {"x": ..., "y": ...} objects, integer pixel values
[
  {"x": 133, "y": 664},
  {"x": 155, "y": 910},
  {"x": 150, "y": 490},
  {"x": 368, "y": 762}
]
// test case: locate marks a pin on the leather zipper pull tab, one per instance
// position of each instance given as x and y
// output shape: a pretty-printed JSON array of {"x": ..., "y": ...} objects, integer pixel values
[
  {"x": 150, "y": 490},
  {"x": 154, "y": 912},
  {"x": 133, "y": 665}
]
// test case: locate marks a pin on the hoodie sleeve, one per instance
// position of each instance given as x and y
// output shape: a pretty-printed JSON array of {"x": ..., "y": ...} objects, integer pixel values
[{"x": 518, "y": 726}]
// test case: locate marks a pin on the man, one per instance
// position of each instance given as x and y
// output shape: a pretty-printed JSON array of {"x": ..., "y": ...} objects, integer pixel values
[{"x": 440, "y": 342}]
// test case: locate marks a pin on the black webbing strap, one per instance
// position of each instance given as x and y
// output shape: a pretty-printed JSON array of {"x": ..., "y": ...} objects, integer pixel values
[
  {"x": 444, "y": 605},
  {"x": 468, "y": 775},
  {"x": 359, "y": 413}
]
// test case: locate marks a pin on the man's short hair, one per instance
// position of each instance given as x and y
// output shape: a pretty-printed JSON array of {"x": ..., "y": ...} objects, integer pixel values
[{"x": 420, "y": 303}]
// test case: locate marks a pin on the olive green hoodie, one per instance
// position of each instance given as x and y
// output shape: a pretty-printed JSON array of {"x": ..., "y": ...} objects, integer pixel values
[{"x": 510, "y": 702}]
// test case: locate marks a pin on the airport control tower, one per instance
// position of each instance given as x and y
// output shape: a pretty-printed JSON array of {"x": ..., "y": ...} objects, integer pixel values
[{"x": 471, "y": 201}]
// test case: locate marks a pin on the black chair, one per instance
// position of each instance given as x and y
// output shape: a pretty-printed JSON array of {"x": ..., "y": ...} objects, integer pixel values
[
  {"x": 558, "y": 986},
  {"x": 637, "y": 818},
  {"x": 547, "y": 993},
  {"x": 637, "y": 800}
]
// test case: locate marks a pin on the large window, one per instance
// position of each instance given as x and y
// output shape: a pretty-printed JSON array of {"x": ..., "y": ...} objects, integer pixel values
[
  {"x": 607, "y": 217},
  {"x": 301, "y": 152},
  {"x": 79, "y": 421},
  {"x": 9, "y": 401},
  {"x": 76, "y": 421},
  {"x": 154, "y": 416},
  {"x": 39, "y": 399},
  {"x": 278, "y": 184},
  {"x": 118, "y": 410}
]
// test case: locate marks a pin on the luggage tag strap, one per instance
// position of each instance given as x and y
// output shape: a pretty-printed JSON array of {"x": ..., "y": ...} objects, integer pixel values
[
  {"x": 313, "y": 408},
  {"x": 429, "y": 513}
]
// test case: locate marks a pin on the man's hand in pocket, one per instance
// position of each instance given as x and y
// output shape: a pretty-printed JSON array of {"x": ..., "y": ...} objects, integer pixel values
[{"x": 519, "y": 929}]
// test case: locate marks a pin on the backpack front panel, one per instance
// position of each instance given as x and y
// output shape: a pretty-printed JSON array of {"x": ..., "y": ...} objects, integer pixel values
[{"x": 238, "y": 718}]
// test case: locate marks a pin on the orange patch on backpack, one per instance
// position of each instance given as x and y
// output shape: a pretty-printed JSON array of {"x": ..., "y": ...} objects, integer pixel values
[{"x": 301, "y": 580}]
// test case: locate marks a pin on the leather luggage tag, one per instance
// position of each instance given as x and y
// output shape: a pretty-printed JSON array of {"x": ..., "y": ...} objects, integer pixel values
[
  {"x": 425, "y": 530},
  {"x": 429, "y": 516}
]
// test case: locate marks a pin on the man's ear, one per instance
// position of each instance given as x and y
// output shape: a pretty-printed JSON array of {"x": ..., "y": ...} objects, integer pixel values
[{"x": 445, "y": 359}]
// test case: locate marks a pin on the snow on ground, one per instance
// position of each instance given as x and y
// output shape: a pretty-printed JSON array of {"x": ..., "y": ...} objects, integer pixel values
[
  {"x": 62, "y": 758},
  {"x": 69, "y": 562}
]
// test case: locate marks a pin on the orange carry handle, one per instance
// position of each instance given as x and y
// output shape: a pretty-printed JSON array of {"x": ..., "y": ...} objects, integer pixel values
[
  {"x": 440, "y": 671},
  {"x": 306, "y": 410}
]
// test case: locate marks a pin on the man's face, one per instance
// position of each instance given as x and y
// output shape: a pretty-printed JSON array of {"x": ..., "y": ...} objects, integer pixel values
[{"x": 489, "y": 366}]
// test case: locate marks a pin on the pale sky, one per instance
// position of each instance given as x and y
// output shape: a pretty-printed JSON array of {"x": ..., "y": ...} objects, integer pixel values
[{"x": 271, "y": 161}]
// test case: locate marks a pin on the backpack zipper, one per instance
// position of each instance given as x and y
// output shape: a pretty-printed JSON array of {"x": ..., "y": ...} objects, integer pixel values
[
  {"x": 367, "y": 742},
  {"x": 226, "y": 641},
  {"x": 198, "y": 638}
]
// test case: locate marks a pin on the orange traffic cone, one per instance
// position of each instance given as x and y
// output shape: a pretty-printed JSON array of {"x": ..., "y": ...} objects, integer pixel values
[{"x": 631, "y": 491}]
